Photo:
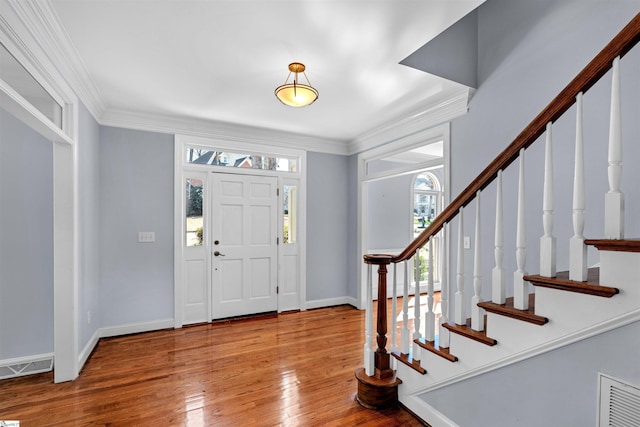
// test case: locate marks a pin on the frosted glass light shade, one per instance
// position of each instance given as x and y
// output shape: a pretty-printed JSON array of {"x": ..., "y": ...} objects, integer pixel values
[{"x": 295, "y": 94}]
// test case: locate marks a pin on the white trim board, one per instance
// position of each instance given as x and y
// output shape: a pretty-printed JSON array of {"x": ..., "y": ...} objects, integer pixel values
[
  {"x": 136, "y": 328},
  {"x": 331, "y": 302},
  {"x": 88, "y": 349},
  {"x": 425, "y": 411},
  {"x": 608, "y": 325}
]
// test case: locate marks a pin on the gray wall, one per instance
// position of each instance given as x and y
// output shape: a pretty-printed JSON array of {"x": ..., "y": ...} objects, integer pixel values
[
  {"x": 136, "y": 194},
  {"x": 89, "y": 226},
  {"x": 328, "y": 235},
  {"x": 528, "y": 51},
  {"x": 26, "y": 240},
  {"x": 558, "y": 388},
  {"x": 389, "y": 212}
]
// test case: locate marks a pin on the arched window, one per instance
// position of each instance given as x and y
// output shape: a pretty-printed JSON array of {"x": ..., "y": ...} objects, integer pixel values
[{"x": 427, "y": 203}]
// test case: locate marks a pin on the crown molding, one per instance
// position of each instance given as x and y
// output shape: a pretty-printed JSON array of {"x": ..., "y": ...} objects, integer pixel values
[
  {"x": 437, "y": 112},
  {"x": 220, "y": 130},
  {"x": 48, "y": 37},
  {"x": 45, "y": 27},
  {"x": 17, "y": 34}
]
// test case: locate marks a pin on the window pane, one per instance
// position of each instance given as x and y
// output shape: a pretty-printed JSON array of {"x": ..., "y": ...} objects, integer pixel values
[
  {"x": 16, "y": 76},
  {"x": 193, "y": 206},
  {"x": 425, "y": 182},
  {"x": 214, "y": 157},
  {"x": 424, "y": 210},
  {"x": 290, "y": 213}
]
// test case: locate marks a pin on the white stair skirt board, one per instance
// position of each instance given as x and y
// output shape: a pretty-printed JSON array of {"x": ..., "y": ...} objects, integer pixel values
[
  {"x": 20, "y": 366},
  {"x": 425, "y": 411},
  {"x": 589, "y": 315},
  {"x": 414, "y": 384}
]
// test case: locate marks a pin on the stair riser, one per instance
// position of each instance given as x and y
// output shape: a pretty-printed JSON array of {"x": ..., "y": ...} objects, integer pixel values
[{"x": 621, "y": 270}]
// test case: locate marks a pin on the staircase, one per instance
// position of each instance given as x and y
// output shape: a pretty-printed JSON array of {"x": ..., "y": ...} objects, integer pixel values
[{"x": 547, "y": 311}]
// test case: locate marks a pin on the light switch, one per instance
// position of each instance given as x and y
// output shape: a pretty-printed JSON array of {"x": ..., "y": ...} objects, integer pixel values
[
  {"x": 146, "y": 236},
  {"x": 467, "y": 242}
]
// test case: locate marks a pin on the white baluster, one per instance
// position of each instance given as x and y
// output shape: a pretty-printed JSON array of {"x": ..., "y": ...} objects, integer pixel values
[
  {"x": 444, "y": 333},
  {"x": 405, "y": 335},
  {"x": 460, "y": 315},
  {"x": 477, "y": 313},
  {"x": 430, "y": 316},
  {"x": 369, "y": 367},
  {"x": 614, "y": 199},
  {"x": 548, "y": 241},
  {"x": 498, "y": 292},
  {"x": 393, "y": 348},
  {"x": 577, "y": 248},
  {"x": 520, "y": 286},
  {"x": 416, "y": 309}
]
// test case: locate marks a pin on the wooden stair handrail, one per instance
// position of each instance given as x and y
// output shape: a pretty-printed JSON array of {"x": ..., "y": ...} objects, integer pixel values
[{"x": 622, "y": 43}]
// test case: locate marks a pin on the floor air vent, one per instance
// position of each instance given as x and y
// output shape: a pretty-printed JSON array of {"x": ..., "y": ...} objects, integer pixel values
[
  {"x": 619, "y": 403},
  {"x": 18, "y": 368}
]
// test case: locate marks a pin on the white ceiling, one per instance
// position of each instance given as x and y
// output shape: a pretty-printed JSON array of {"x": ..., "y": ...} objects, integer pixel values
[{"x": 221, "y": 60}]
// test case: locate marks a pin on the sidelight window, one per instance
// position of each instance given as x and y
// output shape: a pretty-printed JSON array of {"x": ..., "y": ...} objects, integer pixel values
[{"x": 194, "y": 227}]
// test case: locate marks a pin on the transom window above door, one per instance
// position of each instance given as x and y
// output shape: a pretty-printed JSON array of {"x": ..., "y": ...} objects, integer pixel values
[{"x": 230, "y": 159}]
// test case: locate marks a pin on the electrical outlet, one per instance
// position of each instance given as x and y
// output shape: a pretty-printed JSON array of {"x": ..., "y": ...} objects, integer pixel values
[
  {"x": 467, "y": 242},
  {"x": 89, "y": 317}
]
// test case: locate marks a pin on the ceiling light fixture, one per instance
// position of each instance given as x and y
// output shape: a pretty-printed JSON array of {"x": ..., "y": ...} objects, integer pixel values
[{"x": 296, "y": 94}]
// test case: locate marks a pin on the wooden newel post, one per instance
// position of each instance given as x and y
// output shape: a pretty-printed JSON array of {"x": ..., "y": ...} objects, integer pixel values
[
  {"x": 380, "y": 390},
  {"x": 382, "y": 361}
]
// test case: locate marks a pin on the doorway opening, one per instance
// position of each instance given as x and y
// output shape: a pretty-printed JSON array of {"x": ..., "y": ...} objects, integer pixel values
[
  {"x": 386, "y": 209},
  {"x": 239, "y": 229}
]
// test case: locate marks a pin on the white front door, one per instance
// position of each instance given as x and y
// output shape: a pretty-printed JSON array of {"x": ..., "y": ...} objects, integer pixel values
[{"x": 243, "y": 244}]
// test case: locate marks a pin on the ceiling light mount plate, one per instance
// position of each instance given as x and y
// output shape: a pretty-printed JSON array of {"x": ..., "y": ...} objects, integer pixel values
[
  {"x": 296, "y": 94},
  {"x": 297, "y": 67}
]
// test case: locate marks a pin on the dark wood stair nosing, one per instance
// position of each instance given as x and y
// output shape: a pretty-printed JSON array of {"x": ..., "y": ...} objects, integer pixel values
[
  {"x": 440, "y": 351},
  {"x": 508, "y": 310},
  {"x": 562, "y": 282},
  {"x": 621, "y": 245},
  {"x": 407, "y": 359},
  {"x": 466, "y": 331}
]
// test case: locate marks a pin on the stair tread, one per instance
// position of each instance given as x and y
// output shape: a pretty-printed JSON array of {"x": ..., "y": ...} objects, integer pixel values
[
  {"x": 507, "y": 309},
  {"x": 562, "y": 282},
  {"x": 407, "y": 359},
  {"x": 434, "y": 347},
  {"x": 465, "y": 330},
  {"x": 622, "y": 245}
]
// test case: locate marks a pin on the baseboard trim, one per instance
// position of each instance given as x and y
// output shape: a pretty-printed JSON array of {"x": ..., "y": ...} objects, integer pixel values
[
  {"x": 88, "y": 349},
  {"x": 135, "y": 328},
  {"x": 27, "y": 365},
  {"x": 330, "y": 302},
  {"x": 424, "y": 411}
]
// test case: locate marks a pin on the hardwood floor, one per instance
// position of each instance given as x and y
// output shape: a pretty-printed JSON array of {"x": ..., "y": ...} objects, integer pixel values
[{"x": 296, "y": 369}]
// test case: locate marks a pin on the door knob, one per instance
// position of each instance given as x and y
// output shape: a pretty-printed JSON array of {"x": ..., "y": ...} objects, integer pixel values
[{"x": 217, "y": 253}]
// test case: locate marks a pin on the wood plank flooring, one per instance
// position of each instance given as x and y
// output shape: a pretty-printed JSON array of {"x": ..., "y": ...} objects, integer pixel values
[{"x": 296, "y": 369}]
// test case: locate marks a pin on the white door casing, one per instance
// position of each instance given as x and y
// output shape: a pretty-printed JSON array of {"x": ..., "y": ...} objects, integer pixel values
[
  {"x": 193, "y": 270},
  {"x": 441, "y": 132},
  {"x": 244, "y": 218}
]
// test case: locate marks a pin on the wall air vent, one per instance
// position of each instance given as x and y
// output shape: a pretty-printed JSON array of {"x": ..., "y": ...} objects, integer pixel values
[
  {"x": 25, "y": 366},
  {"x": 619, "y": 403}
]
